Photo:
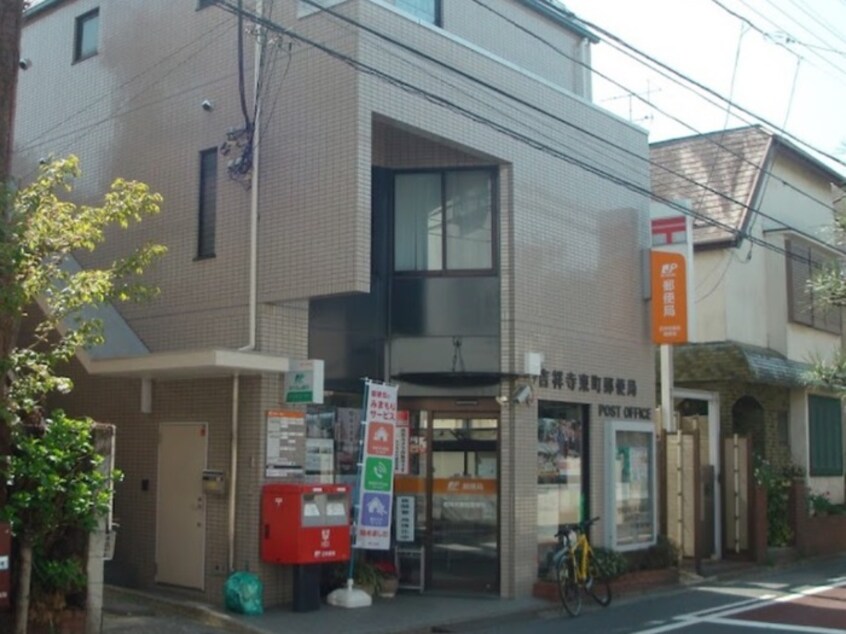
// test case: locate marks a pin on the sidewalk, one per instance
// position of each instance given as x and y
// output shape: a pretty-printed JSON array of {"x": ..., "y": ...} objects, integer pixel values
[{"x": 407, "y": 613}]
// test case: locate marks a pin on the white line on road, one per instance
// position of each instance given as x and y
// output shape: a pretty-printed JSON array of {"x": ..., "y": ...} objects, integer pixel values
[
  {"x": 766, "y": 625},
  {"x": 718, "y": 615}
]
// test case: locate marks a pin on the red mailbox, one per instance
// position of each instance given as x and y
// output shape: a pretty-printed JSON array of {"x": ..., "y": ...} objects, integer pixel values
[
  {"x": 305, "y": 523},
  {"x": 5, "y": 564}
]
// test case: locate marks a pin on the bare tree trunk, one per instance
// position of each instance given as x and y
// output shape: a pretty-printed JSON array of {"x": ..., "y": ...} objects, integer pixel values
[{"x": 22, "y": 603}]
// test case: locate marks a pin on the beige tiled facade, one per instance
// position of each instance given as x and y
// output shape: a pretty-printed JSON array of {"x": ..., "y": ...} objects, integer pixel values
[{"x": 570, "y": 241}]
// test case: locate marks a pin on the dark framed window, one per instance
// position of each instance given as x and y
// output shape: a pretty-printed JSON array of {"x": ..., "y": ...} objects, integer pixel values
[
  {"x": 86, "y": 35},
  {"x": 206, "y": 218},
  {"x": 825, "y": 424},
  {"x": 424, "y": 10},
  {"x": 803, "y": 262},
  {"x": 202, "y": 4},
  {"x": 444, "y": 221}
]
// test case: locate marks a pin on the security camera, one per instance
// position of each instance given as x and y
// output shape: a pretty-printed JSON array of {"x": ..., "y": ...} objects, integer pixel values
[
  {"x": 207, "y": 105},
  {"x": 24, "y": 63},
  {"x": 523, "y": 394}
]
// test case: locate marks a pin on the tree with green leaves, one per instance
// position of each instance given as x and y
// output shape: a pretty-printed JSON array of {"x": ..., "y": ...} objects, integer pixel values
[
  {"x": 51, "y": 474},
  {"x": 827, "y": 287}
]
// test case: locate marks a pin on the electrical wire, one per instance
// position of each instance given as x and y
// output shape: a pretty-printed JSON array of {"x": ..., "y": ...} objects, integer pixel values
[
  {"x": 699, "y": 85},
  {"x": 99, "y": 99},
  {"x": 570, "y": 124},
  {"x": 533, "y": 143},
  {"x": 707, "y": 137}
]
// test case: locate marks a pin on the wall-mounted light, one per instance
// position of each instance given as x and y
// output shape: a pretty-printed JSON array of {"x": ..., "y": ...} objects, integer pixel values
[
  {"x": 24, "y": 63},
  {"x": 207, "y": 105}
]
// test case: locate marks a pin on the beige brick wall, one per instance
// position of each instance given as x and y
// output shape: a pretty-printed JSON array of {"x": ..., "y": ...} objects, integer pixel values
[{"x": 570, "y": 241}]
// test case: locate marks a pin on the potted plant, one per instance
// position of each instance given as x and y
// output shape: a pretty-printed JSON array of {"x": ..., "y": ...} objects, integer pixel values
[{"x": 389, "y": 582}]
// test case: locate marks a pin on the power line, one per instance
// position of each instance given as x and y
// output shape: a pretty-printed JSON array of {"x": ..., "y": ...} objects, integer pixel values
[
  {"x": 618, "y": 40},
  {"x": 473, "y": 116},
  {"x": 32, "y": 142},
  {"x": 706, "y": 137},
  {"x": 561, "y": 120}
]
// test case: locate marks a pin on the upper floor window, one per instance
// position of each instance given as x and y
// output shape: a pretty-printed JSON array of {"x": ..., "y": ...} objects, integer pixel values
[
  {"x": 86, "y": 35},
  {"x": 424, "y": 10},
  {"x": 202, "y": 4},
  {"x": 803, "y": 262},
  {"x": 443, "y": 221},
  {"x": 207, "y": 215}
]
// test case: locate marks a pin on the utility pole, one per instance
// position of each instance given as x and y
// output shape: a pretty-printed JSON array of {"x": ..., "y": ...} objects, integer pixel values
[{"x": 11, "y": 18}]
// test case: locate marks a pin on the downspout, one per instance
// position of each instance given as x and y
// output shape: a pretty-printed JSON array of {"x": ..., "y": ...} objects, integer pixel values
[
  {"x": 233, "y": 473},
  {"x": 254, "y": 188},
  {"x": 251, "y": 344}
]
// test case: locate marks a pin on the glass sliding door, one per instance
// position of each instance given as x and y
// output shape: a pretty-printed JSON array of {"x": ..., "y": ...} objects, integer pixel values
[{"x": 463, "y": 487}]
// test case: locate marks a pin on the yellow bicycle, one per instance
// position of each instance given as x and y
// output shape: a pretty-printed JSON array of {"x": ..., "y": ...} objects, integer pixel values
[{"x": 577, "y": 567}]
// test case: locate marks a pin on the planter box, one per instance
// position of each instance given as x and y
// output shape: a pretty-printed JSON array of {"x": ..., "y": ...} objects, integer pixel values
[{"x": 627, "y": 585}]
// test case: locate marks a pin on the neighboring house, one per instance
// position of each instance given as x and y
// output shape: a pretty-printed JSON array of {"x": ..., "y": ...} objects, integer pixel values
[
  {"x": 449, "y": 241},
  {"x": 757, "y": 328}
]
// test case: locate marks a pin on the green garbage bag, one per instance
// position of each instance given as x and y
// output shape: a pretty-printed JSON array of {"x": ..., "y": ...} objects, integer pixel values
[{"x": 242, "y": 593}]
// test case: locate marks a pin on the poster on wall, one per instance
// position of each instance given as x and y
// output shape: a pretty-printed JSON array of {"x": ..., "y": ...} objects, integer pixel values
[
  {"x": 286, "y": 436},
  {"x": 376, "y": 486},
  {"x": 632, "y": 482},
  {"x": 402, "y": 435}
]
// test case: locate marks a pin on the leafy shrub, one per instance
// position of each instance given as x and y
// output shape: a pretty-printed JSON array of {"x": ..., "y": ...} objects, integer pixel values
[
  {"x": 777, "y": 482},
  {"x": 612, "y": 562},
  {"x": 821, "y": 504},
  {"x": 663, "y": 554}
]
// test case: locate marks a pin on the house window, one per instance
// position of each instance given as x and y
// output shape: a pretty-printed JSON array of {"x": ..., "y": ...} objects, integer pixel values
[
  {"x": 443, "y": 221},
  {"x": 803, "y": 262},
  {"x": 826, "y": 436},
  {"x": 207, "y": 204},
  {"x": 86, "y": 35},
  {"x": 424, "y": 10},
  {"x": 202, "y": 4}
]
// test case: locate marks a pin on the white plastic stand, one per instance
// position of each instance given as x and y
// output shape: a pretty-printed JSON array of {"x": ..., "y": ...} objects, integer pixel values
[{"x": 349, "y": 597}]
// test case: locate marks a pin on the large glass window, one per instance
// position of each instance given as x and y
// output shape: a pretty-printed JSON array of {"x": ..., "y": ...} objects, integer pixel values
[
  {"x": 443, "y": 221},
  {"x": 562, "y": 466}
]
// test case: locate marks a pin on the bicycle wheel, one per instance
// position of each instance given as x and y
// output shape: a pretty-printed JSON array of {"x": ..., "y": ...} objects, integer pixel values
[
  {"x": 568, "y": 589},
  {"x": 598, "y": 584}
]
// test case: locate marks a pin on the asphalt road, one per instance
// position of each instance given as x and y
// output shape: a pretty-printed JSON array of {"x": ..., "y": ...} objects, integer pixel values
[{"x": 807, "y": 599}]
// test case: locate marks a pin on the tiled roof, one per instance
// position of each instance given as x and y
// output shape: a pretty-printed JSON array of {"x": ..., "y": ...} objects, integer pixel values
[
  {"x": 727, "y": 161},
  {"x": 737, "y": 362}
]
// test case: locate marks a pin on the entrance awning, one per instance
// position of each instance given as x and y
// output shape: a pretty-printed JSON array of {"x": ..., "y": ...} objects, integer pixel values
[
  {"x": 731, "y": 361},
  {"x": 189, "y": 364}
]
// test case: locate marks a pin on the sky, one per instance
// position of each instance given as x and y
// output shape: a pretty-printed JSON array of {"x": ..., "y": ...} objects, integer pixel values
[{"x": 752, "y": 62}]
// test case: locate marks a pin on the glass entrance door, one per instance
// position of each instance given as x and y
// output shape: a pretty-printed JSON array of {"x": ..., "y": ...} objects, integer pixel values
[{"x": 463, "y": 492}]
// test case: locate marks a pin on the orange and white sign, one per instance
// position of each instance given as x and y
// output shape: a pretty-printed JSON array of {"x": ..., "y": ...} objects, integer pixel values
[{"x": 669, "y": 297}]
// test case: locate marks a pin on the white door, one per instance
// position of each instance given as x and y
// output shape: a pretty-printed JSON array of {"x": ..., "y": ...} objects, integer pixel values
[{"x": 181, "y": 507}]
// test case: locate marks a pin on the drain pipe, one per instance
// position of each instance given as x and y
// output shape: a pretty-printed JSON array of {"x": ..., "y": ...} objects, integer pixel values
[
  {"x": 251, "y": 345},
  {"x": 233, "y": 473},
  {"x": 254, "y": 187}
]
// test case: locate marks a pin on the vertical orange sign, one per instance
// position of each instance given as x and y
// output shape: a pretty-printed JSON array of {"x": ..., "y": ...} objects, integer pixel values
[{"x": 669, "y": 297}]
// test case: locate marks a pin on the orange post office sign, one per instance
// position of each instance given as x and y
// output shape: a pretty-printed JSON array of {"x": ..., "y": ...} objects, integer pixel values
[{"x": 669, "y": 297}]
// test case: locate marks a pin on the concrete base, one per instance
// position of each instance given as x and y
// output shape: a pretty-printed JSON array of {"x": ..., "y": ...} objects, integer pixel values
[{"x": 349, "y": 597}]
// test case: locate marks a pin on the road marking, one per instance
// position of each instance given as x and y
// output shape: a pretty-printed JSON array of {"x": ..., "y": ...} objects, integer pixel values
[
  {"x": 767, "y": 625},
  {"x": 717, "y": 615}
]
